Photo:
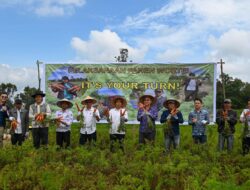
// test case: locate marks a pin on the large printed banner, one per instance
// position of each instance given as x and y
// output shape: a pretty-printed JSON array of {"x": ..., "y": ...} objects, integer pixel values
[{"x": 183, "y": 82}]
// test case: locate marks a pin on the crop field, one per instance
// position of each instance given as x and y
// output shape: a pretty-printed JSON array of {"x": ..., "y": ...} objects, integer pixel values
[{"x": 139, "y": 167}]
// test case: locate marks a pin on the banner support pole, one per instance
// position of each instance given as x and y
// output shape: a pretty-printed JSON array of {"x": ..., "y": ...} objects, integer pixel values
[
  {"x": 38, "y": 72},
  {"x": 222, "y": 77}
]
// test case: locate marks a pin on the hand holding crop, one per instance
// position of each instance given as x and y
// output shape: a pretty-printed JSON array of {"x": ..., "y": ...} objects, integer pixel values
[
  {"x": 174, "y": 112},
  {"x": 59, "y": 120},
  {"x": 246, "y": 114},
  {"x": 14, "y": 124},
  {"x": 224, "y": 115},
  {"x": 106, "y": 112},
  {"x": 40, "y": 117}
]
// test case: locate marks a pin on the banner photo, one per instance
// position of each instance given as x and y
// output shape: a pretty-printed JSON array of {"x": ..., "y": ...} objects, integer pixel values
[{"x": 103, "y": 82}]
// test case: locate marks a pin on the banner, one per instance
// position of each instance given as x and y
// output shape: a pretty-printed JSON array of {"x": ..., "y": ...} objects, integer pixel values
[{"x": 183, "y": 82}]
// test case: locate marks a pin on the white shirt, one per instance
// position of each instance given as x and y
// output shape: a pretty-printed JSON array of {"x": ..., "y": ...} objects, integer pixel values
[
  {"x": 192, "y": 85},
  {"x": 242, "y": 117},
  {"x": 67, "y": 117},
  {"x": 18, "y": 129},
  {"x": 114, "y": 117},
  {"x": 89, "y": 125}
]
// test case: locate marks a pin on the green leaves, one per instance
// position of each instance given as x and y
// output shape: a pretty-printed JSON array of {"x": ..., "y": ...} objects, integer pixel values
[{"x": 189, "y": 167}]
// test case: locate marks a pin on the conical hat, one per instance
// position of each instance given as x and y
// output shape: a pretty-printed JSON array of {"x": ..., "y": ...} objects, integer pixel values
[
  {"x": 64, "y": 100},
  {"x": 177, "y": 103},
  {"x": 141, "y": 99},
  {"x": 115, "y": 98},
  {"x": 88, "y": 98}
]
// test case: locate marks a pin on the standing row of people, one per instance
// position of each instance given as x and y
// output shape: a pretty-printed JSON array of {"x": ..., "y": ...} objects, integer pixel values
[{"x": 41, "y": 117}]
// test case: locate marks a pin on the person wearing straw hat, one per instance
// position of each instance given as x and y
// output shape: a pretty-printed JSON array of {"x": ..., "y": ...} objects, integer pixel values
[
  {"x": 91, "y": 116},
  {"x": 147, "y": 115},
  {"x": 117, "y": 117},
  {"x": 37, "y": 113},
  {"x": 171, "y": 118},
  {"x": 64, "y": 118},
  {"x": 19, "y": 118}
]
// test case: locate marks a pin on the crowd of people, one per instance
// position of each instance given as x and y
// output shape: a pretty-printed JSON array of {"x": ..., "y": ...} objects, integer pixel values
[{"x": 41, "y": 118}]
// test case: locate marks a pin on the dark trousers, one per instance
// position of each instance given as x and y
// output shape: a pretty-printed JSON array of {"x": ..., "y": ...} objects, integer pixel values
[
  {"x": 146, "y": 136},
  {"x": 63, "y": 137},
  {"x": 114, "y": 138},
  {"x": 87, "y": 137},
  {"x": 200, "y": 139},
  {"x": 17, "y": 138},
  {"x": 40, "y": 136},
  {"x": 246, "y": 145}
]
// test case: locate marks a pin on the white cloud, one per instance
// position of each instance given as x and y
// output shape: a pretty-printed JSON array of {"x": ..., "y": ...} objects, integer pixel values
[
  {"x": 46, "y": 7},
  {"x": 233, "y": 43},
  {"x": 234, "y": 47},
  {"x": 104, "y": 46},
  {"x": 21, "y": 77}
]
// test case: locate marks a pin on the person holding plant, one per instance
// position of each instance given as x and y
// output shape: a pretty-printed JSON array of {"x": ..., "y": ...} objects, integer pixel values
[
  {"x": 245, "y": 118},
  {"x": 38, "y": 112},
  {"x": 199, "y": 119},
  {"x": 64, "y": 119},
  {"x": 4, "y": 114},
  {"x": 19, "y": 118},
  {"x": 226, "y": 119},
  {"x": 117, "y": 117},
  {"x": 89, "y": 116},
  {"x": 147, "y": 115},
  {"x": 171, "y": 118}
]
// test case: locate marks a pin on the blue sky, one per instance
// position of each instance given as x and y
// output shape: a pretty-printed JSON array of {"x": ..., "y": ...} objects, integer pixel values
[{"x": 94, "y": 30}]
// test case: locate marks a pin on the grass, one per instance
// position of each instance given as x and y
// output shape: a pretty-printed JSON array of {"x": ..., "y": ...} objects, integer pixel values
[{"x": 147, "y": 167}]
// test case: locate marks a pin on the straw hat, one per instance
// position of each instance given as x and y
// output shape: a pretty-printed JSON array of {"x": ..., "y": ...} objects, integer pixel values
[
  {"x": 141, "y": 99},
  {"x": 171, "y": 100},
  {"x": 123, "y": 100},
  {"x": 59, "y": 103},
  {"x": 88, "y": 98}
]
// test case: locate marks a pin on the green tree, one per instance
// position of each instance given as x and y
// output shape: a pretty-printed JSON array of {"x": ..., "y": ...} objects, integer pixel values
[
  {"x": 25, "y": 96},
  {"x": 10, "y": 89},
  {"x": 235, "y": 89}
]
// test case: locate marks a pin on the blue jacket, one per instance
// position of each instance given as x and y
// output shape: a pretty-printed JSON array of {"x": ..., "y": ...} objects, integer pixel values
[{"x": 198, "y": 128}]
